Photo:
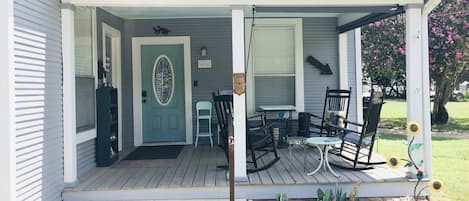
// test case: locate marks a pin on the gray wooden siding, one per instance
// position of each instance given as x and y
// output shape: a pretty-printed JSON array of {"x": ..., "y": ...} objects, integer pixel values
[
  {"x": 320, "y": 40},
  {"x": 352, "y": 74},
  {"x": 86, "y": 159},
  {"x": 215, "y": 34},
  {"x": 38, "y": 99}
]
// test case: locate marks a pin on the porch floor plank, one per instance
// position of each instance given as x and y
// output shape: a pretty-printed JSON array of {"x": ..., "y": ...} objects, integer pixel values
[
  {"x": 197, "y": 168},
  {"x": 211, "y": 170},
  {"x": 201, "y": 168},
  {"x": 191, "y": 167},
  {"x": 135, "y": 178},
  {"x": 172, "y": 172},
  {"x": 220, "y": 178}
]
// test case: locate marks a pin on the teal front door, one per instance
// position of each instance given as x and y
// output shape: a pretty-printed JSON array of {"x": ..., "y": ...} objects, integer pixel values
[{"x": 162, "y": 68}]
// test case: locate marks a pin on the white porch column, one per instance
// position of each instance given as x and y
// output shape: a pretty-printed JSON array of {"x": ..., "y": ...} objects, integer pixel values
[
  {"x": 239, "y": 101},
  {"x": 417, "y": 79},
  {"x": 343, "y": 61},
  {"x": 358, "y": 74},
  {"x": 69, "y": 118},
  {"x": 7, "y": 103}
]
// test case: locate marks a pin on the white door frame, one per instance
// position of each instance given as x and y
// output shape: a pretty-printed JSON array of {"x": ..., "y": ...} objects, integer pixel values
[
  {"x": 115, "y": 36},
  {"x": 137, "y": 82}
]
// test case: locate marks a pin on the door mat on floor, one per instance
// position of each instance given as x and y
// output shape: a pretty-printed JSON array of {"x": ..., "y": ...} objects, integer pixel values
[{"x": 155, "y": 152}]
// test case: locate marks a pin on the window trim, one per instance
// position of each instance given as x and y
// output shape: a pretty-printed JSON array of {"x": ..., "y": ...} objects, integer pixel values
[
  {"x": 90, "y": 134},
  {"x": 299, "y": 63}
]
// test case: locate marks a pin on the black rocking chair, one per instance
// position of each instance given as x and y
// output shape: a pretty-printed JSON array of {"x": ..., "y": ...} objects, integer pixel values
[
  {"x": 260, "y": 142},
  {"x": 357, "y": 145}
]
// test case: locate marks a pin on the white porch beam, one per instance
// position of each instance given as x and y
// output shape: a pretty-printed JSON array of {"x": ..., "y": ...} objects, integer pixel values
[
  {"x": 7, "y": 103},
  {"x": 417, "y": 71},
  {"x": 359, "y": 74},
  {"x": 221, "y": 3},
  {"x": 69, "y": 118},
  {"x": 343, "y": 61},
  {"x": 239, "y": 101}
]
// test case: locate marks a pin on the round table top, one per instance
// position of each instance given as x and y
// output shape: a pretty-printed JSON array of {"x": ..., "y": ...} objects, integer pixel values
[{"x": 323, "y": 140}]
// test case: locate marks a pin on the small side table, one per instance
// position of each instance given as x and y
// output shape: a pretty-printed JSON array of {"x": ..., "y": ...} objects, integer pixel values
[{"x": 325, "y": 142}]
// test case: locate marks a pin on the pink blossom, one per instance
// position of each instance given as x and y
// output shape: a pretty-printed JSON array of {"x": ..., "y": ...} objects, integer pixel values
[
  {"x": 376, "y": 51},
  {"x": 377, "y": 23},
  {"x": 457, "y": 37},
  {"x": 402, "y": 51}
]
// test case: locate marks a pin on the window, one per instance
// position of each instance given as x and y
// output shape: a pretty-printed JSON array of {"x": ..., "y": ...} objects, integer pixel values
[
  {"x": 84, "y": 73},
  {"x": 275, "y": 69}
]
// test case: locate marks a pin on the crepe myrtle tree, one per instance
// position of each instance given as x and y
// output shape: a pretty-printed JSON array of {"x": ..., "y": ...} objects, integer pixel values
[
  {"x": 449, "y": 52},
  {"x": 384, "y": 52}
]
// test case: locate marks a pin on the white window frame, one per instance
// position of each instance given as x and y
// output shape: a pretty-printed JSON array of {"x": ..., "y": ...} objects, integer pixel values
[
  {"x": 90, "y": 134},
  {"x": 297, "y": 23}
]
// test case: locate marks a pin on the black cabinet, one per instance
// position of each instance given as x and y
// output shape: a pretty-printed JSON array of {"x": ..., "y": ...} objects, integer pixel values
[{"x": 107, "y": 126}]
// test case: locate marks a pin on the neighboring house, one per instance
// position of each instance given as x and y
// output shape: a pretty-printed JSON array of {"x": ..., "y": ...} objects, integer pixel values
[{"x": 50, "y": 50}]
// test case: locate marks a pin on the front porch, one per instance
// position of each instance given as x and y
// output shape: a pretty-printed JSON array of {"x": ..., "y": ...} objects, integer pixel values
[{"x": 193, "y": 175}]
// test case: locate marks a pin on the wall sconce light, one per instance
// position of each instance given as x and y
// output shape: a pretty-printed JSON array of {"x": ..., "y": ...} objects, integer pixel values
[{"x": 203, "y": 51}]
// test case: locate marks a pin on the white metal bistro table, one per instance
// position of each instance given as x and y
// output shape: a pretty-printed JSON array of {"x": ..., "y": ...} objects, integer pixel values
[
  {"x": 281, "y": 108},
  {"x": 325, "y": 142}
]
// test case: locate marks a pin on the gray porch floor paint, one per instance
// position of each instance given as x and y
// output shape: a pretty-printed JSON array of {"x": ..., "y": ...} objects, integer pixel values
[{"x": 194, "y": 175}]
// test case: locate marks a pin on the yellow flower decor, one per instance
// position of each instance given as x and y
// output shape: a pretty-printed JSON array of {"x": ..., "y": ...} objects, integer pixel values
[
  {"x": 393, "y": 162},
  {"x": 435, "y": 185},
  {"x": 413, "y": 128}
]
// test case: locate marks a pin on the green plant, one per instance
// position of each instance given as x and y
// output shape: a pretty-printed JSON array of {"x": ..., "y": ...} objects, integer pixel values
[
  {"x": 329, "y": 195},
  {"x": 281, "y": 197}
]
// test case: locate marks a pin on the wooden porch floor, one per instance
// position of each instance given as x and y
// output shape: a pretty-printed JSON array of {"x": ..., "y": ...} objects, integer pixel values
[{"x": 194, "y": 175}]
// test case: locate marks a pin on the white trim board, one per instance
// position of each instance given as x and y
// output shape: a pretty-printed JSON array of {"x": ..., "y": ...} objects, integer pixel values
[
  {"x": 137, "y": 82},
  {"x": 297, "y": 24},
  {"x": 69, "y": 93},
  {"x": 115, "y": 36},
  {"x": 7, "y": 103},
  {"x": 85, "y": 136}
]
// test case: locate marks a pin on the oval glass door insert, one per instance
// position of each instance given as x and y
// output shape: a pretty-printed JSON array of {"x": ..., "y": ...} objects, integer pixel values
[{"x": 163, "y": 80}]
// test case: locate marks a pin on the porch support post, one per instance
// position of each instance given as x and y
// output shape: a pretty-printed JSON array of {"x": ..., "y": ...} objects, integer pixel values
[
  {"x": 358, "y": 74},
  {"x": 343, "y": 61},
  {"x": 69, "y": 118},
  {"x": 7, "y": 103},
  {"x": 417, "y": 79},
  {"x": 239, "y": 101}
]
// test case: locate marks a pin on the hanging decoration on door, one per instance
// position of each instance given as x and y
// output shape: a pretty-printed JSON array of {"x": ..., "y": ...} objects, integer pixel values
[
  {"x": 239, "y": 86},
  {"x": 163, "y": 80}
]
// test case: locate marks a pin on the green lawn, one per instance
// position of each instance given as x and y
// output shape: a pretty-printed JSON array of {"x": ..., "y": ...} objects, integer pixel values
[
  {"x": 394, "y": 113},
  {"x": 450, "y": 162}
]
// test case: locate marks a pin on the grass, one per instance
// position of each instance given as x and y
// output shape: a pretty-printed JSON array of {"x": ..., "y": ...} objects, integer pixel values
[
  {"x": 450, "y": 162},
  {"x": 394, "y": 112}
]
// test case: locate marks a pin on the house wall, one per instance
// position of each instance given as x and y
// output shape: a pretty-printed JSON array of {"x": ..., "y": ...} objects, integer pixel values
[
  {"x": 213, "y": 33},
  {"x": 38, "y": 99},
  {"x": 320, "y": 41},
  {"x": 319, "y": 38},
  {"x": 86, "y": 158}
]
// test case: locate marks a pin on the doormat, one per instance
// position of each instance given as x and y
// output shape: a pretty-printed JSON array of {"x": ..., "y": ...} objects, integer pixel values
[{"x": 155, "y": 152}]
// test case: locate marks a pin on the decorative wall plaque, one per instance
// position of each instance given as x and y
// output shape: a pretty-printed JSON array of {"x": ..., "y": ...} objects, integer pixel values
[
  {"x": 239, "y": 86},
  {"x": 163, "y": 80}
]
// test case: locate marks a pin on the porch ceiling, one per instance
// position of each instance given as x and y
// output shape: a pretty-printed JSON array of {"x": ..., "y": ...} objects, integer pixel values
[{"x": 205, "y": 12}]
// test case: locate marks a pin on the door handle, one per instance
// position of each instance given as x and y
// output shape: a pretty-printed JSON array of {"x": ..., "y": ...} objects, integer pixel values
[{"x": 144, "y": 93}]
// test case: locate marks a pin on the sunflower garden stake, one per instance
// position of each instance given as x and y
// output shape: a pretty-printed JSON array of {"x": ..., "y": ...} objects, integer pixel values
[{"x": 413, "y": 129}]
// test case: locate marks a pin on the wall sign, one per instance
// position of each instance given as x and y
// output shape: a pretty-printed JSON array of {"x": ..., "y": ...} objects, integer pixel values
[{"x": 239, "y": 86}]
